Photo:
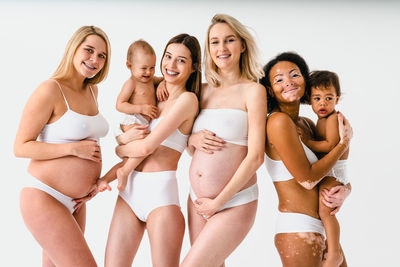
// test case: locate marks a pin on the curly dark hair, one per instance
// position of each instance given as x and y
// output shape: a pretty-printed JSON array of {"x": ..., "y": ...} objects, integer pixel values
[
  {"x": 295, "y": 59},
  {"x": 324, "y": 78}
]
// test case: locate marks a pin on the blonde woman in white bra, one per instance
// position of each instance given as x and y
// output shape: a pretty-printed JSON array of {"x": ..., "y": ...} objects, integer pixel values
[
  {"x": 294, "y": 168},
  {"x": 150, "y": 200},
  {"x": 227, "y": 145},
  {"x": 59, "y": 131}
]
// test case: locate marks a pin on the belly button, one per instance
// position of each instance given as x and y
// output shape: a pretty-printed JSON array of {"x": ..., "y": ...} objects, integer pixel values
[{"x": 199, "y": 174}]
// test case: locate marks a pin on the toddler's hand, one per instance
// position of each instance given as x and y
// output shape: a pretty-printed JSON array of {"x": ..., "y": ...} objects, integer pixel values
[
  {"x": 149, "y": 110},
  {"x": 162, "y": 92},
  {"x": 102, "y": 185}
]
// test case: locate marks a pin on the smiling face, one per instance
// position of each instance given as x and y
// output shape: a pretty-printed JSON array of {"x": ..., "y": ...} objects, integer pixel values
[
  {"x": 90, "y": 56},
  {"x": 225, "y": 46},
  {"x": 287, "y": 83},
  {"x": 323, "y": 100},
  {"x": 142, "y": 66},
  {"x": 176, "y": 64}
]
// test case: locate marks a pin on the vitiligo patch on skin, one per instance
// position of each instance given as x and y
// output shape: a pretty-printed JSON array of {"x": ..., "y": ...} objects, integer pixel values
[{"x": 308, "y": 185}]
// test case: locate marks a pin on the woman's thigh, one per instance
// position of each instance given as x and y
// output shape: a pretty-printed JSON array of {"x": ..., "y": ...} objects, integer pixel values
[
  {"x": 300, "y": 249},
  {"x": 55, "y": 229},
  {"x": 124, "y": 237},
  {"x": 196, "y": 222},
  {"x": 166, "y": 227},
  {"x": 221, "y": 235}
]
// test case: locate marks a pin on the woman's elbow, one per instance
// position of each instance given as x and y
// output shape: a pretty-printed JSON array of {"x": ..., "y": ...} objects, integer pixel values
[
  {"x": 18, "y": 151},
  {"x": 307, "y": 184},
  {"x": 257, "y": 159},
  {"x": 147, "y": 150}
]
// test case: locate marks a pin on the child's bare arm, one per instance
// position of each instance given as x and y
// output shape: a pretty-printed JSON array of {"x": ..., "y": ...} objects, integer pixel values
[
  {"x": 111, "y": 175},
  {"x": 123, "y": 104},
  {"x": 162, "y": 92},
  {"x": 331, "y": 136}
]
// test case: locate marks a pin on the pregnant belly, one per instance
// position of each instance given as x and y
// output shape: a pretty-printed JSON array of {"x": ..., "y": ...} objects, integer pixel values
[
  {"x": 70, "y": 175},
  {"x": 209, "y": 173}
]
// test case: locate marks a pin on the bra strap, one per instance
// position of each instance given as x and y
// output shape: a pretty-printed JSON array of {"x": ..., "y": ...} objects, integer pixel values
[
  {"x": 59, "y": 86},
  {"x": 95, "y": 100}
]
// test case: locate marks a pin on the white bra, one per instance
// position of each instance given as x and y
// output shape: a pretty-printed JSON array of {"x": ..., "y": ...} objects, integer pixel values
[
  {"x": 229, "y": 124},
  {"x": 73, "y": 126},
  {"x": 278, "y": 171},
  {"x": 176, "y": 140}
]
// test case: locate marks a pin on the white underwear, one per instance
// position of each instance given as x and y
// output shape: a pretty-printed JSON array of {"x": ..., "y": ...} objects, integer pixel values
[
  {"x": 146, "y": 191},
  {"x": 339, "y": 171},
  {"x": 290, "y": 222},
  {"x": 128, "y": 120},
  {"x": 245, "y": 196},
  {"x": 63, "y": 199}
]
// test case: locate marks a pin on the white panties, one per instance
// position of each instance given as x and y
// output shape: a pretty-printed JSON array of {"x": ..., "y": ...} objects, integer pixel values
[
  {"x": 63, "y": 199},
  {"x": 146, "y": 191},
  {"x": 290, "y": 222},
  {"x": 245, "y": 196}
]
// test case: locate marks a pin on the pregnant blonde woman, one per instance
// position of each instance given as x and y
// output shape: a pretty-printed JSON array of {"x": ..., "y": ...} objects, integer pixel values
[
  {"x": 227, "y": 145},
  {"x": 59, "y": 131}
]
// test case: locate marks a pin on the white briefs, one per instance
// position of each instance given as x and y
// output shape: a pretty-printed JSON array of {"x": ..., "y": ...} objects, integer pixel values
[
  {"x": 146, "y": 191},
  {"x": 63, "y": 199},
  {"x": 245, "y": 196},
  {"x": 290, "y": 222}
]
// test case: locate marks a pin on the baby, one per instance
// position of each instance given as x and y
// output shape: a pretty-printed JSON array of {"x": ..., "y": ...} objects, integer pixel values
[
  {"x": 138, "y": 101},
  {"x": 325, "y": 94}
]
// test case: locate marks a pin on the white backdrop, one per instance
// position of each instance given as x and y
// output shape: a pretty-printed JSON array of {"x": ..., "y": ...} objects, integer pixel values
[{"x": 359, "y": 41}]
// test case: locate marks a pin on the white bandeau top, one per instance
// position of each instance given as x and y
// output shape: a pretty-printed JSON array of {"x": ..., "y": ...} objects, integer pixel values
[
  {"x": 278, "y": 171},
  {"x": 176, "y": 141},
  {"x": 229, "y": 124},
  {"x": 73, "y": 126}
]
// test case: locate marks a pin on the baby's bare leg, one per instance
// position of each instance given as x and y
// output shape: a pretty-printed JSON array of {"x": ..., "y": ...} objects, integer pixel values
[
  {"x": 125, "y": 170},
  {"x": 334, "y": 256},
  {"x": 129, "y": 165}
]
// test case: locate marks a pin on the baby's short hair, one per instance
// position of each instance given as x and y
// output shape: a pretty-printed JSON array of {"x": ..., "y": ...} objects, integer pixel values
[
  {"x": 324, "y": 78},
  {"x": 139, "y": 44}
]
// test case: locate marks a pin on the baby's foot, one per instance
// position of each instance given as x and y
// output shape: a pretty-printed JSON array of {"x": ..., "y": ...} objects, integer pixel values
[
  {"x": 333, "y": 259},
  {"x": 122, "y": 179}
]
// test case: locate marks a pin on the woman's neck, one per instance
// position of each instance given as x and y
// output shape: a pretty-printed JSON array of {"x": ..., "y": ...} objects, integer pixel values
[
  {"x": 75, "y": 82},
  {"x": 291, "y": 109},
  {"x": 230, "y": 76},
  {"x": 174, "y": 90}
]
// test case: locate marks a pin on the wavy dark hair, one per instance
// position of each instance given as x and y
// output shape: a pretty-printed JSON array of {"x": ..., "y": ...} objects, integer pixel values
[{"x": 295, "y": 59}]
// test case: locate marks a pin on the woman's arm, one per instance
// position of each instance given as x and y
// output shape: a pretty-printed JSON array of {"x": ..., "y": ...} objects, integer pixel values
[
  {"x": 184, "y": 108},
  {"x": 331, "y": 136},
  {"x": 37, "y": 112},
  {"x": 282, "y": 134},
  {"x": 256, "y": 102}
]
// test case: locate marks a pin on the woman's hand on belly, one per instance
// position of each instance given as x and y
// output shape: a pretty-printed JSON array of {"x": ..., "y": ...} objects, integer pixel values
[
  {"x": 206, "y": 141},
  {"x": 86, "y": 149}
]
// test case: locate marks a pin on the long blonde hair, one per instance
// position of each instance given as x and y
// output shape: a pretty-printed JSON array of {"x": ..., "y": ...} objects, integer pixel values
[
  {"x": 65, "y": 67},
  {"x": 249, "y": 65}
]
